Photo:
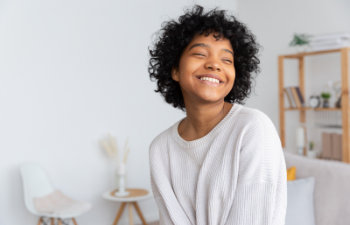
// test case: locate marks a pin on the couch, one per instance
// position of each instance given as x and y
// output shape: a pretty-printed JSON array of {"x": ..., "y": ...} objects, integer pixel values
[{"x": 331, "y": 190}]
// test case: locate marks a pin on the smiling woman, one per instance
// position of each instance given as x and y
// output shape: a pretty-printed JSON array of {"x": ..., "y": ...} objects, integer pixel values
[
  {"x": 175, "y": 38},
  {"x": 206, "y": 72},
  {"x": 223, "y": 163}
]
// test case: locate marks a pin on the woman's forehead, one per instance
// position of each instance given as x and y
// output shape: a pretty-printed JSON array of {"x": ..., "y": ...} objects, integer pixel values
[{"x": 203, "y": 40}]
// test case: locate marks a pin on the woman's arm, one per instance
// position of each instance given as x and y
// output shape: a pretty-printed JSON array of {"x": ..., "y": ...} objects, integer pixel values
[
  {"x": 170, "y": 210},
  {"x": 261, "y": 194}
]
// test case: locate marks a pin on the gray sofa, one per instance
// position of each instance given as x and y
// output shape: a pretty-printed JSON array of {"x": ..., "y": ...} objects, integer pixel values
[{"x": 332, "y": 187}]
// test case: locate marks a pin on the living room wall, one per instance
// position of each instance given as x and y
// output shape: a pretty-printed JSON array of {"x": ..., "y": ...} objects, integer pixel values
[{"x": 70, "y": 73}]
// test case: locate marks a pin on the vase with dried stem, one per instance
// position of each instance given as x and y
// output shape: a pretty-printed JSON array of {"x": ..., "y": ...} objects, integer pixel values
[{"x": 110, "y": 147}]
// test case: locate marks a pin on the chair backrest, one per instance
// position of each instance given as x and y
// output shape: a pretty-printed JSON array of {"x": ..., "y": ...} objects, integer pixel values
[{"x": 35, "y": 184}]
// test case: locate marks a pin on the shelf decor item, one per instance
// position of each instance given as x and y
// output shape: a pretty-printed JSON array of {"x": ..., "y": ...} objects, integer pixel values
[
  {"x": 300, "y": 42},
  {"x": 325, "y": 96},
  {"x": 301, "y": 137},
  {"x": 315, "y": 101},
  {"x": 311, "y": 152},
  {"x": 337, "y": 91}
]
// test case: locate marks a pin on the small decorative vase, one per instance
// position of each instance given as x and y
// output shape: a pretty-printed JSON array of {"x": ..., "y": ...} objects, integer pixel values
[
  {"x": 121, "y": 184},
  {"x": 325, "y": 103},
  {"x": 311, "y": 154}
]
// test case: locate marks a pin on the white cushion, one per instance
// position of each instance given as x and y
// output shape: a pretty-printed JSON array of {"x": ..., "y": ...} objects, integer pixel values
[
  {"x": 57, "y": 203},
  {"x": 300, "y": 204}
]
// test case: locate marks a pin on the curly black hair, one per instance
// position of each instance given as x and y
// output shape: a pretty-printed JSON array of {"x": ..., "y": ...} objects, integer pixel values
[{"x": 176, "y": 35}]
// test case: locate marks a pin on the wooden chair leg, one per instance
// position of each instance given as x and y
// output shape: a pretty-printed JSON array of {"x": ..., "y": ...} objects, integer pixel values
[
  {"x": 40, "y": 221},
  {"x": 74, "y": 221},
  {"x": 138, "y": 210},
  {"x": 59, "y": 222},
  {"x": 131, "y": 219},
  {"x": 52, "y": 221},
  {"x": 119, "y": 214}
]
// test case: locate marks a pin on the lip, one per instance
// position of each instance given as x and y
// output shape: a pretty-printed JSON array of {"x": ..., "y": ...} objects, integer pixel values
[{"x": 211, "y": 76}]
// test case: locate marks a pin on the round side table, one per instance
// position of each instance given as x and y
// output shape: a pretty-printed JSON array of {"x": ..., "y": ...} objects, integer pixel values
[{"x": 134, "y": 196}]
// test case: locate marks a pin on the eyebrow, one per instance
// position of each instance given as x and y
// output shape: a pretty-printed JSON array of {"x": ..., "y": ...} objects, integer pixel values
[{"x": 207, "y": 46}]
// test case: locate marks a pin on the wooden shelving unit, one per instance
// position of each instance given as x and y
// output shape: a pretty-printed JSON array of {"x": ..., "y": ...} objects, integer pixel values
[{"x": 344, "y": 57}]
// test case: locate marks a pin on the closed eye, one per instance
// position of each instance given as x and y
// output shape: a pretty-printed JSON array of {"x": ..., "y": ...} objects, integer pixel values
[
  {"x": 228, "y": 60},
  {"x": 199, "y": 54}
]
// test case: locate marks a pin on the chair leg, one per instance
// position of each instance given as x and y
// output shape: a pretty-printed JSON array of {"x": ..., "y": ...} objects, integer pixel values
[
  {"x": 74, "y": 221},
  {"x": 59, "y": 222},
  {"x": 120, "y": 211},
  {"x": 138, "y": 210},
  {"x": 40, "y": 221}
]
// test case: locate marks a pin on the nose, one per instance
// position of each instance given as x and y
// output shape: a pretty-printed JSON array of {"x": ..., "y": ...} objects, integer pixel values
[{"x": 212, "y": 65}]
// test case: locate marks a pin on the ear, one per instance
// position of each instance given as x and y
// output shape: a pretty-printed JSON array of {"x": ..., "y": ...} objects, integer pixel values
[{"x": 175, "y": 74}]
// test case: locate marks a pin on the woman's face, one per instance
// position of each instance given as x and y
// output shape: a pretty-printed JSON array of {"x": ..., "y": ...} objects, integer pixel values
[{"x": 206, "y": 70}]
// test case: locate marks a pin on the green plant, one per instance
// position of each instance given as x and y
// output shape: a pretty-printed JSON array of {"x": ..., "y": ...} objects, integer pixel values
[
  {"x": 311, "y": 145},
  {"x": 300, "y": 39},
  {"x": 325, "y": 95}
]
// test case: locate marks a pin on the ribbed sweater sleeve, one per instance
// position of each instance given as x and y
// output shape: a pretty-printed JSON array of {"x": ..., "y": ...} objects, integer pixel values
[
  {"x": 261, "y": 194},
  {"x": 170, "y": 210}
]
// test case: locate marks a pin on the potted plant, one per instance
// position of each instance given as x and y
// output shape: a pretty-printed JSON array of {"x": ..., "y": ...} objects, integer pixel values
[
  {"x": 300, "y": 41},
  {"x": 311, "y": 151},
  {"x": 326, "y": 96}
]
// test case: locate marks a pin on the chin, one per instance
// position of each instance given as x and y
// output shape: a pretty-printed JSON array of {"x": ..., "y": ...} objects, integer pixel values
[{"x": 212, "y": 100}]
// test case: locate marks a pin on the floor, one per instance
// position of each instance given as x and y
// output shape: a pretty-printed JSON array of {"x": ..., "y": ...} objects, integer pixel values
[{"x": 153, "y": 223}]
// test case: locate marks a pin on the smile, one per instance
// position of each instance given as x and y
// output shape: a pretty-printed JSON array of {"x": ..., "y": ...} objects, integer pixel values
[{"x": 213, "y": 80}]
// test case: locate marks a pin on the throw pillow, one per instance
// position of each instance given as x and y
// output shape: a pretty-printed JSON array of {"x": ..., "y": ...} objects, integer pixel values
[
  {"x": 291, "y": 173},
  {"x": 300, "y": 204}
]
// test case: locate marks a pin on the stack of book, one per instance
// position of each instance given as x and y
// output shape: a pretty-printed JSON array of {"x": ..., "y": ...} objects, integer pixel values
[
  {"x": 331, "y": 146},
  {"x": 329, "y": 41},
  {"x": 294, "y": 96}
]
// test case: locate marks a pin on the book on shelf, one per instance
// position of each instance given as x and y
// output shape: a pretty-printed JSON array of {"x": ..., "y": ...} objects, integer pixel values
[
  {"x": 300, "y": 95},
  {"x": 294, "y": 96},
  {"x": 326, "y": 146},
  {"x": 331, "y": 146},
  {"x": 337, "y": 146},
  {"x": 288, "y": 97}
]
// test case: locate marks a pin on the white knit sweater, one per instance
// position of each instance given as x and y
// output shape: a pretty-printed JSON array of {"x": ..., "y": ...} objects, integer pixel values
[{"x": 234, "y": 175}]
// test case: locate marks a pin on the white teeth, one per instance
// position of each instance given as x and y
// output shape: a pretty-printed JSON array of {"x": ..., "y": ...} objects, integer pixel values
[{"x": 210, "y": 79}]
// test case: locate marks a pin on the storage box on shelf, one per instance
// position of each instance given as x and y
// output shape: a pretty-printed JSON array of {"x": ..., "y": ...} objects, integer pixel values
[{"x": 344, "y": 56}]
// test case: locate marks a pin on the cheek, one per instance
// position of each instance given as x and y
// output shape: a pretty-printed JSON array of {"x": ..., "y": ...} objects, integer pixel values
[
  {"x": 189, "y": 67},
  {"x": 231, "y": 73}
]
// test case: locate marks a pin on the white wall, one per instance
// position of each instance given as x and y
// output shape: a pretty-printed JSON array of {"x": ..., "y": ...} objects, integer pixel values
[
  {"x": 274, "y": 22},
  {"x": 70, "y": 72}
]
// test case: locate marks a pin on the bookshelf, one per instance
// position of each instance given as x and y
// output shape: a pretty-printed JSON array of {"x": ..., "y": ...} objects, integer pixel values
[{"x": 345, "y": 110}]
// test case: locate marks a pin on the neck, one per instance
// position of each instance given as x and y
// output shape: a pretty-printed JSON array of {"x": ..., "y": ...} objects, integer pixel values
[{"x": 201, "y": 119}]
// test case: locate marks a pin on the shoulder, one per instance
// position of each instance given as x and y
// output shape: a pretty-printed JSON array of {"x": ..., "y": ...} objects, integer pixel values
[
  {"x": 251, "y": 117},
  {"x": 257, "y": 126},
  {"x": 261, "y": 150},
  {"x": 159, "y": 143}
]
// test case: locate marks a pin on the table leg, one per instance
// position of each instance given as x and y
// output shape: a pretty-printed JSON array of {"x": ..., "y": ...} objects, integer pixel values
[
  {"x": 138, "y": 210},
  {"x": 74, "y": 221},
  {"x": 40, "y": 221},
  {"x": 120, "y": 212},
  {"x": 131, "y": 222}
]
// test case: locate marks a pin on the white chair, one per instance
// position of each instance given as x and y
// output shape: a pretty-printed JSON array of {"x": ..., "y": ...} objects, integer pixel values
[{"x": 36, "y": 185}]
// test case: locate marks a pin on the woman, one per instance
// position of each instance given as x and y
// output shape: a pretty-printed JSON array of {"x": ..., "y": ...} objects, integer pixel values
[{"x": 223, "y": 163}]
